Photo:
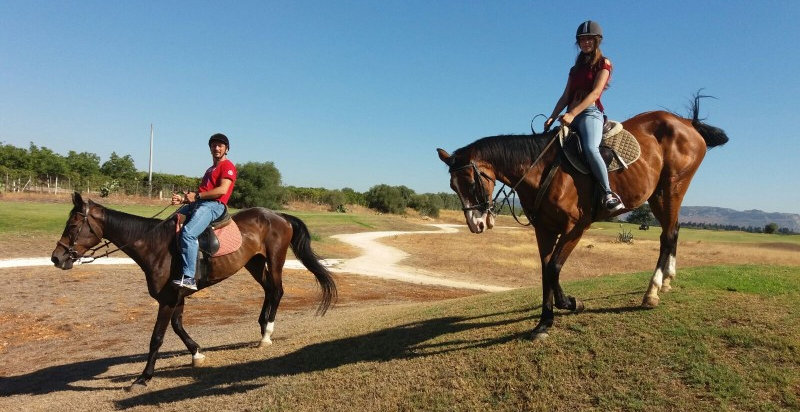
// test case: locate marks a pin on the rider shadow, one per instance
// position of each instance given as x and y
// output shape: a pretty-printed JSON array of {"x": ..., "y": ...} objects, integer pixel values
[{"x": 398, "y": 342}]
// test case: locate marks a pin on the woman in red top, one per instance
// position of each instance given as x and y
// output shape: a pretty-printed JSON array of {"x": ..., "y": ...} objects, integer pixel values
[
  {"x": 204, "y": 206},
  {"x": 588, "y": 78}
]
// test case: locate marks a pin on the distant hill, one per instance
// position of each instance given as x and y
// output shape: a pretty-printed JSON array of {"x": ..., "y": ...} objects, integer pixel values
[{"x": 723, "y": 216}]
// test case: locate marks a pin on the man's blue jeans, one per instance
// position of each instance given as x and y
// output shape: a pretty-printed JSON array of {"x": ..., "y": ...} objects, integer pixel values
[
  {"x": 589, "y": 124},
  {"x": 198, "y": 216}
]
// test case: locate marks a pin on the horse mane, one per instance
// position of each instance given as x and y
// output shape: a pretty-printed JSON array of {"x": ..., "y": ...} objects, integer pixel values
[
  {"x": 509, "y": 149},
  {"x": 134, "y": 227}
]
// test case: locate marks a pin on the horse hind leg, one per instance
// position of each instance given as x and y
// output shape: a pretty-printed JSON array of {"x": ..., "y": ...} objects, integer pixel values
[
  {"x": 266, "y": 319},
  {"x": 665, "y": 268}
]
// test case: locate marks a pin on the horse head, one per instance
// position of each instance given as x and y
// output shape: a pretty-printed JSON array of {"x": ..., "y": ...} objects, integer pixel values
[
  {"x": 474, "y": 185},
  {"x": 83, "y": 231}
]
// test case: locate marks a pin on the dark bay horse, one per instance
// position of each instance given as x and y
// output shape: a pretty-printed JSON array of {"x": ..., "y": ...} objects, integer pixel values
[
  {"x": 672, "y": 149},
  {"x": 266, "y": 236}
]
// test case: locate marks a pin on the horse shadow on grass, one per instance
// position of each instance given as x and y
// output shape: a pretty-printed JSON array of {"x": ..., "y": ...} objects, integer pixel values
[{"x": 412, "y": 340}]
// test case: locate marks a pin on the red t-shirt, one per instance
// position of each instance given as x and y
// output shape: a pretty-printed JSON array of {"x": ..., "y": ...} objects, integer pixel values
[
  {"x": 224, "y": 170},
  {"x": 582, "y": 77}
]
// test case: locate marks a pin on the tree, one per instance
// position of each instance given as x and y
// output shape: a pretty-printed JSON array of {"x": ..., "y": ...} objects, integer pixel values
[
  {"x": 14, "y": 158},
  {"x": 386, "y": 199},
  {"x": 258, "y": 184},
  {"x": 641, "y": 215},
  {"x": 45, "y": 162},
  {"x": 83, "y": 164},
  {"x": 771, "y": 228},
  {"x": 121, "y": 168}
]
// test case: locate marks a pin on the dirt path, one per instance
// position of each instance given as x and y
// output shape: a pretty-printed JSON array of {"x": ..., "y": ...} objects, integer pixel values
[{"x": 382, "y": 261}]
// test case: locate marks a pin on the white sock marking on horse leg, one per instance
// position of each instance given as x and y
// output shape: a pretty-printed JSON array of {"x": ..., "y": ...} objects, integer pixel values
[
  {"x": 655, "y": 284},
  {"x": 266, "y": 339},
  {"x": 671, "y": 271},
  {"x": 198, "y": 355}
]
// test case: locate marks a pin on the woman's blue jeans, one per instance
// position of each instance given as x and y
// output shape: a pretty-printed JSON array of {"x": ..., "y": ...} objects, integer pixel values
[
  {"x": 198, "y": 216},
  {"x": 589, "y": 124}
]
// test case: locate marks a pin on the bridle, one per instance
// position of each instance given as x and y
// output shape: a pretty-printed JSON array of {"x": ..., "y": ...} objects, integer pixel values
[
  {"x": 73, "y": 238},
  {"x": 484, "y": 203}
]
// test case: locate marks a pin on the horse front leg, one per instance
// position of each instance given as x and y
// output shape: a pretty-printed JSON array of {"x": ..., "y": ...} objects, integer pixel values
[
  {"x": 554, "y": 251},
  {"x": 177, "y": 325},
  {"x": 162, "y": 320}
]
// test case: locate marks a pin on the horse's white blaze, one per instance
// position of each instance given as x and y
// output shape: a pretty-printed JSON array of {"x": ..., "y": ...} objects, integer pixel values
[{"x": 267, "y": 338}]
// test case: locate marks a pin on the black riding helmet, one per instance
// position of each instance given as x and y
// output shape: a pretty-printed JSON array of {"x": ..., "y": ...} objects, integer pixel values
[
  {"x": 219, "y": 137},
  {"x": 589, "y": 28}
]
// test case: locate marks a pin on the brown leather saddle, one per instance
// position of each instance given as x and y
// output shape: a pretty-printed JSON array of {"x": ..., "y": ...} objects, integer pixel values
[{"x": 618, "y": 148}]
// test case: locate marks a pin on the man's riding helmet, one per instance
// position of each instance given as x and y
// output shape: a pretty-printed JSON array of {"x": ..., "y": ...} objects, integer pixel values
[
  {"x": 589, "y": 28},
  {"x": 219, "y": 137}
]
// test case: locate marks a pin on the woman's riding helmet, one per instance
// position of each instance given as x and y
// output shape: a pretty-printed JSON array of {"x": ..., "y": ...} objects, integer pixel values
[
  {"x": 219, "y": 137},
  {"x": 589, "y": 28}
]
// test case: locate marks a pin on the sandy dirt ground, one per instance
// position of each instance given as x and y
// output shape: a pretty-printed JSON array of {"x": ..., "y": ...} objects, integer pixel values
[{"x": 74, "y": 340}]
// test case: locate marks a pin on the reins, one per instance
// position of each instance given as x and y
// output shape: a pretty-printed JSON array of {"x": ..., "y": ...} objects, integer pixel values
[
  {"x": 542, "y": 189},
  {"x": 89, "y": 258}
]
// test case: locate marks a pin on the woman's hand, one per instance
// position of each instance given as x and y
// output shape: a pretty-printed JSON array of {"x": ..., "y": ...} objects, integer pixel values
[
  {"x": 566, "y": 119},
  {"x": 548, "y": 123}
]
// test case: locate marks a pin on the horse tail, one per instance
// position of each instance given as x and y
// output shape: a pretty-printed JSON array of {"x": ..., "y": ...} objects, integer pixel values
[
  {"x": 301, "y": 246},
  {"x": 714, "y": 136}
]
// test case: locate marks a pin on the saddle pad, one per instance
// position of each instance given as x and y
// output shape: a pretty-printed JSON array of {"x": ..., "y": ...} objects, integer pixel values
[
  {"x": 230, "y": 239},
  {"x": 622, "y": 142}
]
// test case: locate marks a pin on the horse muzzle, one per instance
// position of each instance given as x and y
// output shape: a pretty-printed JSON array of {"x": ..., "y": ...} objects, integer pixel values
[
  {"x": 62, "y": 260},
  {"x": 479, "y": 221}
]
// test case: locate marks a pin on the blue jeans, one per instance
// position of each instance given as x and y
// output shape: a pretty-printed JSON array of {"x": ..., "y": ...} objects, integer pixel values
[
  {"x": 198, "y": 216},
  {"x": 589, "y": 124}
]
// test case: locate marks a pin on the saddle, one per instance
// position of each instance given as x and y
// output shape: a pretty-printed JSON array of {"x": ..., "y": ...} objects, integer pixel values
[
  {"x": 618, "y": 148},
  {"x": 221, "y": 237}
]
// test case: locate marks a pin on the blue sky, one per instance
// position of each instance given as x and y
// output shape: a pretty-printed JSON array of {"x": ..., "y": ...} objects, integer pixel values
[{"x": 358, "y": 93}]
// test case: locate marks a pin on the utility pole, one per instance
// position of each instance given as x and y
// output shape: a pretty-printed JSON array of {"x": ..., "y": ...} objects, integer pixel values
[{"x": 150, "y": 168}]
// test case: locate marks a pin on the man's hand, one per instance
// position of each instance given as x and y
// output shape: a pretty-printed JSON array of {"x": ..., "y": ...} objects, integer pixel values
[{"x": 177, "y": 198}]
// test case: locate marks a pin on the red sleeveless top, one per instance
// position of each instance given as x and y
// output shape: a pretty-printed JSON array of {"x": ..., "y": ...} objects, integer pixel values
[{"x": 581, "y": 78}]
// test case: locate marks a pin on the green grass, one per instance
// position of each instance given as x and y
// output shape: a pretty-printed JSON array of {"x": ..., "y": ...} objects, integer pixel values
[
  {"x": 693, "y": 235},
  {"x": 704, "y": 348}
]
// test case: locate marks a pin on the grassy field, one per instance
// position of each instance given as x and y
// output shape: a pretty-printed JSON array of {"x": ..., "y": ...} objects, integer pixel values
[{"x": 726, "y": 338}]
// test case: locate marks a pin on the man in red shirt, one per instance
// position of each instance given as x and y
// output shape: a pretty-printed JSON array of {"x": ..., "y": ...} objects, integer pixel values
[{"x": 204, "y": 206}]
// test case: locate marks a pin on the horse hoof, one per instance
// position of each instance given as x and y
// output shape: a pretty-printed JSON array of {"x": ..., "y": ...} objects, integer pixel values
[
  {"x": 666, "y": 288},
  {"x": 540, "y": 335},
  {"x": 579, "y": 307},
  {"x": 650, "y": 301},
  {"x": 136, "y": 387},
  {"x": 265, "y": 343},
  {"x": 198, "y": 360}
]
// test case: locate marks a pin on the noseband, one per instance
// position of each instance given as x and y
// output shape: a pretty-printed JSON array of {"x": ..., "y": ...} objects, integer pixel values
[
  {"x": 485, "y": 203},
  {"x": 73, "y": 237}
]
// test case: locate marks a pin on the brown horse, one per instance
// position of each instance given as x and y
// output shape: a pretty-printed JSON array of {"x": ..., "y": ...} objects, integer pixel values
[
  {"x": 266, "y": 236},
  {"x": 672, "y": 149}
]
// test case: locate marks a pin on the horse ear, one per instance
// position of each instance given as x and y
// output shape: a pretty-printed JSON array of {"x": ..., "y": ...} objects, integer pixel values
[
  {"x": 446, "y": 158},
  {"x": 77, "y": 200}
]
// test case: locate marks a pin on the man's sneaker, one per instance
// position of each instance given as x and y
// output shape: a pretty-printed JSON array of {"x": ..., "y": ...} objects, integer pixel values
[
  {"x": 612, "y": 203},
  {"x": 185, "y": 282}
]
